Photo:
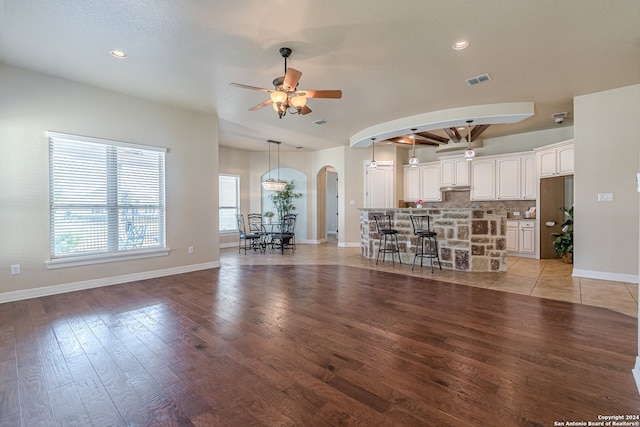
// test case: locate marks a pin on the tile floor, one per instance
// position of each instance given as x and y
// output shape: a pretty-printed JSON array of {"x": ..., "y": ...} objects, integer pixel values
[{"x": 540, "y": 278}]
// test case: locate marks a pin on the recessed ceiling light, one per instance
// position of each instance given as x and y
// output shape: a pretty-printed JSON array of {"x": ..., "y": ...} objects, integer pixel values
[
  {"x": 462, "y": 44},
  {"x": 118, "y": 54}
]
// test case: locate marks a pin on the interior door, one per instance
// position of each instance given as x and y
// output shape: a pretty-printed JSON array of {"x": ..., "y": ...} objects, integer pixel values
[
  {"x": 378, "y": 191},
  {"x": 551, "y": 213}
]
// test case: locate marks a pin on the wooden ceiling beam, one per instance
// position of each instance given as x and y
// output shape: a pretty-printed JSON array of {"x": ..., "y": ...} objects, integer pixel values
[{"x": 477, "y": 131}]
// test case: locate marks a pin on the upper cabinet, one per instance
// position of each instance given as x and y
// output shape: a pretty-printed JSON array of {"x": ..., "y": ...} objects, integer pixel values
[
  {"x": 454, "y": 172},
  {"x": 504, "y": 177},
  {"x": 555, "y": 159},
  {"x": 483, "y": 173},
  {"x": 422, "y": 182},
  {"x": 411, "y": 184},
  {"x": 509, "y": 178}
]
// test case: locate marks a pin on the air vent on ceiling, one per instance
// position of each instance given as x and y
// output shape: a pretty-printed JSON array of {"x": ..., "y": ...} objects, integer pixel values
[
  {"x": 319, "y": 122},
  {"x": 478, "y": 79}
]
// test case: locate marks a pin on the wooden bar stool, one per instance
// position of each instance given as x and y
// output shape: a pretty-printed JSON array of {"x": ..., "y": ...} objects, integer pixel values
[
  {"x": 385, "y": 231},
  {"x": 422, "y": 230}
]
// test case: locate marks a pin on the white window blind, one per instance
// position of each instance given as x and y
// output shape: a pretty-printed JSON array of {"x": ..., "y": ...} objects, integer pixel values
[
  {"x": 106, "y": 197},
  {"x": 228, "y": 202}
]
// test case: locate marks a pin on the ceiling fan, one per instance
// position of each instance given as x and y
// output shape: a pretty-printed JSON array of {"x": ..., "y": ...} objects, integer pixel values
[{"x": 285, "y": 97}]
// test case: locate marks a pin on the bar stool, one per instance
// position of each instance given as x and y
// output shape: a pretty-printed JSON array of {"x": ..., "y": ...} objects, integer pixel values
[
  {"x": 422, "y": 230},
  {"x": 383, "y": 224}
]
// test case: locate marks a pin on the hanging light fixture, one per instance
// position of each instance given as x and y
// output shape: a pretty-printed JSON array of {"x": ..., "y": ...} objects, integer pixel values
[
  {"x": 413, "y": 161},
  {"x": 270, "y": 184},
  {"x": 373, "y": 164},
  {"x": 469, "y": 153}
]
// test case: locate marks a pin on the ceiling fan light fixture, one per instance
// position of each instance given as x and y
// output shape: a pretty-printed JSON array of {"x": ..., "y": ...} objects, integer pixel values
[
  {"x": 278, "y": 96},
  {"x": 298, "y": 101}
]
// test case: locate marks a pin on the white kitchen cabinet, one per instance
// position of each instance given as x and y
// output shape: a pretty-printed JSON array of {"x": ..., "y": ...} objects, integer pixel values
[
  {"x": 411, "y": 184},
  {"x": 527, "y": 237},
  {"x": 483, "y": 178},
  {"x": 508, "y": 178},
  {"x": 521, "y": 237},
  {"x": 512, "y": 236},
  {"x": 454, "y": 172},
  {"x": 430, "y": 182},
  {"x": 529, "y": 177},
  {"x": 565, "y": 160},
  {"x": 555, "y": 159}
]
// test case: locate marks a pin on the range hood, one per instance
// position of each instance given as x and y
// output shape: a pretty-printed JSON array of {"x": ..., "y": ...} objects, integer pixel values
[{"x": 456, "y": 188}]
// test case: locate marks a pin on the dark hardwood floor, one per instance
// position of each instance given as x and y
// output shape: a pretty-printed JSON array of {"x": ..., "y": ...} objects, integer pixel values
[{"x": 312, "y": 346}]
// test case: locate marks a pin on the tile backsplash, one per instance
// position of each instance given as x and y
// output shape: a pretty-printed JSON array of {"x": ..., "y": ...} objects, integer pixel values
[{"x": 462, "y": 199}]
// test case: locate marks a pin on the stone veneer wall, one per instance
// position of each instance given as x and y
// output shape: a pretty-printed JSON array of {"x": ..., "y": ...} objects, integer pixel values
[{"x": 468, "y": 239}]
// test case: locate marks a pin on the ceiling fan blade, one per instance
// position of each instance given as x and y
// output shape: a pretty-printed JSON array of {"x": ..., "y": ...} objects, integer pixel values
[
  {"x": 305, "y": 110},
  {"x": 261, "y": 105},
  {"x": 335, "y": 94},
  {"x": 250, "y": 87},
  {"x": 291, "y": 79}
]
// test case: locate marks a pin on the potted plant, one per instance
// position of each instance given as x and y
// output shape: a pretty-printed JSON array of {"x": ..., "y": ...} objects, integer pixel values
[
  {"x": 563, "y": 242},
  {"x": 268, "y": 215},
  {"x": 419, "y": 203},
  {"x": 283, "y": 200}
]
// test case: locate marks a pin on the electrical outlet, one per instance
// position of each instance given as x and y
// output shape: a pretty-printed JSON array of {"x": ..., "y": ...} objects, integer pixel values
[
  {"x": 15, "y": 268},
  {"x": 190, "y": 249}
]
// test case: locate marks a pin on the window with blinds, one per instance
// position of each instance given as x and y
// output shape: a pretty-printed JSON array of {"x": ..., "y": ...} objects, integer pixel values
[
  {"x": 228, "y": 202},
  {"x": 106, "y": 197}
]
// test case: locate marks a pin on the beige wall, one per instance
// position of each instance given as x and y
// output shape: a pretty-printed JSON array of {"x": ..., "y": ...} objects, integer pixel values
[
  {"x": 607, "y": 148},
  {"x": 236, "y": 162},
  {"x": 32, "y": 103}
]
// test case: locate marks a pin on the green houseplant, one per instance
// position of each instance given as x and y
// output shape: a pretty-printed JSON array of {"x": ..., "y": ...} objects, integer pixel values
[
  {"x": 563, "y": 242},
  {"x": 268, "y": 215},
  {"x": 283, "y": 200}
]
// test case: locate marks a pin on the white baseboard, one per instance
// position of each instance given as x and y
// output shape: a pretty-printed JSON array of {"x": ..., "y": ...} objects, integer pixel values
[
  {"x": 106, "y": 281},
  {"x": 228, "y": 245},
  {"x": 604, "y": 275},
  {"x": 636, "y": 373},
  {"x": 349, "y": 244}
]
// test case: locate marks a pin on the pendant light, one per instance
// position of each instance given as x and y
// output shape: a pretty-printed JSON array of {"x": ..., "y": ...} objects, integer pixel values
[
  {"x": 413, "y": 161},
  {"x": 270, "y": 184},
  {"x": 470, "y": 153},
  {"x": 373, "y": 164}
]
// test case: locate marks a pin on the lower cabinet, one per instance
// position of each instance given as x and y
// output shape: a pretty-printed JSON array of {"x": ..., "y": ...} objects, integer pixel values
[{"x": 521, "y": 237}]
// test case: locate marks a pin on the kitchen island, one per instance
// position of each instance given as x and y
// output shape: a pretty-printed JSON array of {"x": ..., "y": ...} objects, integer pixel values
[{"x": 468, "y": 239}]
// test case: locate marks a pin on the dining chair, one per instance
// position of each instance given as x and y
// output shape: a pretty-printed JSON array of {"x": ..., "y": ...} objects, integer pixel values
[
  {"x": 285, "y": 237},
  {"x": 251, "y": 240}
]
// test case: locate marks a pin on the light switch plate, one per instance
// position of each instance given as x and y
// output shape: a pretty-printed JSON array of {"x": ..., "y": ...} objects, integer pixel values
[{"x": 605, "y": 197}]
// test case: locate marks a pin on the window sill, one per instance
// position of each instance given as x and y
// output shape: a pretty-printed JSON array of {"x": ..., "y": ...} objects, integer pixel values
[{"x": 101, "y": 259}]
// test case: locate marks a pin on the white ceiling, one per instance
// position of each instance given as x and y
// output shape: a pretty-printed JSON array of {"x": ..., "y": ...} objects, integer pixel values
[{"x": 392, "y": 59}]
